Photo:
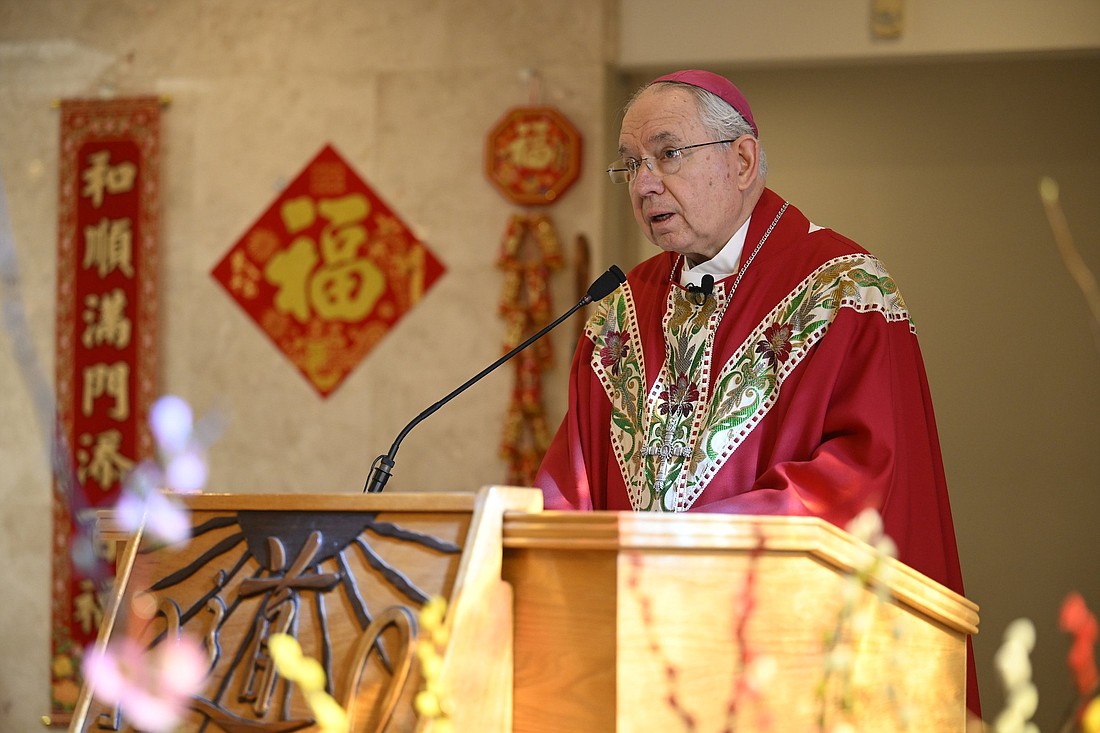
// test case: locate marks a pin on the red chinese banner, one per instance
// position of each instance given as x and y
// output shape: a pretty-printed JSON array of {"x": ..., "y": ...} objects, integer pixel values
[
  {"x": 106, "y": 348},
  {"x": 327, "y": 271}
]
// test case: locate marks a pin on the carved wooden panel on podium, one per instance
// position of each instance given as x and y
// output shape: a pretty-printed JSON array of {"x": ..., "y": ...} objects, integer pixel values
[{"x": 346, "y": 575}]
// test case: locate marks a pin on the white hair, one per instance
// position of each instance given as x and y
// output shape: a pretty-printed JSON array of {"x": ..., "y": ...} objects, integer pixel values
[{"x": 716, "y": 114}]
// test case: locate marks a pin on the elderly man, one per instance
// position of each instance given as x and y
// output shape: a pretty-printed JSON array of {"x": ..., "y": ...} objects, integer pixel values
[{"x": 760, "y": 364}]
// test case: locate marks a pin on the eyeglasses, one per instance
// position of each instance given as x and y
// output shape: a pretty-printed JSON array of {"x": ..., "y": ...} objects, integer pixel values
[{"x": 667, "y": 163}]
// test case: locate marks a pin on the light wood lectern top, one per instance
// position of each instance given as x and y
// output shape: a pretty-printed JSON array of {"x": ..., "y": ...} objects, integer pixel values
[{"x": 595, "y": 622}]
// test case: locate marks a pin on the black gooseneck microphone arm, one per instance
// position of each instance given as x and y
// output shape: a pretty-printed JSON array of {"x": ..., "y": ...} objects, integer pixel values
[{"x": 604, "y": 285}]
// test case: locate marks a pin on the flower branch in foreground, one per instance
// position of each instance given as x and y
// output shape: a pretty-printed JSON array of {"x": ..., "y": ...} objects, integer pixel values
[
  {"x": 1013, "y": 662},
  {"x": 308, "y": 675},
  {"x": 855, "y": 619},
  {"x": 433, "y": 703},
  {"x": 179, "y": 467},
  {"x": 1075, "y": 264},
  {"x": 150, "y": 687},
  {"x": 1077, "y": 620},
  {"x": 150, "y": 683}
]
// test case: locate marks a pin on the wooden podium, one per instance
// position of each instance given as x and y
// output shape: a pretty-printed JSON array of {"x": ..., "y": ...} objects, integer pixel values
[
  {"x": 705, "y": 622},
  {"x": 598, "y": 622}
]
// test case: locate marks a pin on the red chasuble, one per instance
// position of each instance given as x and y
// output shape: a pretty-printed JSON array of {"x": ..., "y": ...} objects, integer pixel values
[{"x": 797, "y": 390}]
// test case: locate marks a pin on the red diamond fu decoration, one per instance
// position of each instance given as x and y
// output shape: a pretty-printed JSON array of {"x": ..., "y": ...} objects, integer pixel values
[
  {"x": 327, "y": 271},
  {"x": 532, "y": 155}
]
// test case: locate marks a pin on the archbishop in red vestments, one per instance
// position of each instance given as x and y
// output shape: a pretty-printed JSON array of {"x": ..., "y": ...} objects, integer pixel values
[
  {"x": 802, "y": 391},
  {"x": 793, "y": 385}
]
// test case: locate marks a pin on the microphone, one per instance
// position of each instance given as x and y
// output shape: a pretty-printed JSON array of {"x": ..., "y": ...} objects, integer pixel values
[
  {"x": 704, "y": 289},
  {"x": 604, "y": 285}
]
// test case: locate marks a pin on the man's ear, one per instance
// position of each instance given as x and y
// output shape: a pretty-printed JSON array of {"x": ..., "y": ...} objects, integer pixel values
[{"x": 747, "y": 150}]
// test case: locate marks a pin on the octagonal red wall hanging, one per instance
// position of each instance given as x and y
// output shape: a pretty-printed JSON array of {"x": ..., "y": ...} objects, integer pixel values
[{"x": 533, "y": 155}]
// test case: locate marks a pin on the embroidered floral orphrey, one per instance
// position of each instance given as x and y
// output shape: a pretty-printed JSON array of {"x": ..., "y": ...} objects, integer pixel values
[{"x": 670, "y": 441}]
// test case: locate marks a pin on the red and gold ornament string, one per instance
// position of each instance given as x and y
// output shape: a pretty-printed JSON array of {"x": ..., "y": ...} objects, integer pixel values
[{"x": 525, "y": 306}]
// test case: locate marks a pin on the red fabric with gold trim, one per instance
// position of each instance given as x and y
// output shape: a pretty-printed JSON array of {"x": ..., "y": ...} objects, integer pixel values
[
  {"x": 532, "y": 155},
  {"x": 106, "y": 347},
  {"x": 327, "y": 270}
]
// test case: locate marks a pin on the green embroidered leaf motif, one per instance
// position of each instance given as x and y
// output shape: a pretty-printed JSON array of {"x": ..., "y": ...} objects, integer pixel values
[
  {"x": 622, "y": 421},
  {"x": 736, "y": 418},
  {"x": 810, "y": 328},
  {"x": 760, "y": 384},
  {"x": 885, "y": 285},
  {"x": 621, "y": 310},
  {"x": 809, "y": 305},
  {"x": 795, "y": 304},
  {"x": 731, "y": 422}
]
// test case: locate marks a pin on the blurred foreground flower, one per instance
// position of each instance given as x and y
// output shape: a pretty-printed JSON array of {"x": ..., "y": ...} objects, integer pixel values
[
  {"x": 1090, "y": 719},
  {"x": 164, "y": 518},
  {"x": 307, "y": 673},
  {"x": 181, "y": 452},
  {"x": 1076, "y": 619},
  {"x": 433, "y": 703},
  {"x": 150, "y": 687},
  {"x": 867, "y": 526},
  {"x": 179, "y": 467},
  {"x": 1013, "y": 662},
  {"x": 855, "y": 619}
]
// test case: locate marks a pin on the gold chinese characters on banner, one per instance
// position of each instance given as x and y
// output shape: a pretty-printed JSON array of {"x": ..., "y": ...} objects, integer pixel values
[
  {"x": 106, "y": 347},
  {"x": 327, "y": 271}
]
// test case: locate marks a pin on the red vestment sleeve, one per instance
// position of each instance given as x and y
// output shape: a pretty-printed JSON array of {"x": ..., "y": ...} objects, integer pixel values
[{"x": 564, "y": 473}]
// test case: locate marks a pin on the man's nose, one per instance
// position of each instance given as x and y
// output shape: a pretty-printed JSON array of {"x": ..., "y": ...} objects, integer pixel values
[{"x": 647, "y": 180}]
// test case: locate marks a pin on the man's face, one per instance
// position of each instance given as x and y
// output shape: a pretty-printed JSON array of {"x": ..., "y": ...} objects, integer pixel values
[{"x": 697, "y": 209}]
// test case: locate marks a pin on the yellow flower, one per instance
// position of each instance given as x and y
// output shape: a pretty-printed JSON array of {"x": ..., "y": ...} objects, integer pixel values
[
  {"x": 1090, "y": 721},
  {"x": 431, "y": 615},
  {"x": 427, "y": 704},
  {"x": 63, "y": 666},
  {"x": 66, "y": 693},
  {"x": 285, "y": 650},
  {"x": 308, "y": 674},
  {"x": 433, "y": 703},
  {"x": 330, "y": 716},
  {"x": 431, "y": 663}
]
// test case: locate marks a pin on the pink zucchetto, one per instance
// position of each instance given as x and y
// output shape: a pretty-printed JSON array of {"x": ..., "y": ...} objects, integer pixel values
[{"x": 717, "y": 85}]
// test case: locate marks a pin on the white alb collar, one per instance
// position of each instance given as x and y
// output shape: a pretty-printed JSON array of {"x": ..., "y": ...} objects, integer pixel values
[{"x": 723, "y": 264}]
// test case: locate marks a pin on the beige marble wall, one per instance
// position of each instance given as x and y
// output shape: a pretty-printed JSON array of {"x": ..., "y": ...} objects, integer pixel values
[
  {"x": 807, "y": 32},
  {"x": 406, "y": 91}
]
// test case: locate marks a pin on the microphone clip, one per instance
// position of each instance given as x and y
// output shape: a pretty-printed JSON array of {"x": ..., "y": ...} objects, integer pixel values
[{"x": 702, "y": 291}]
